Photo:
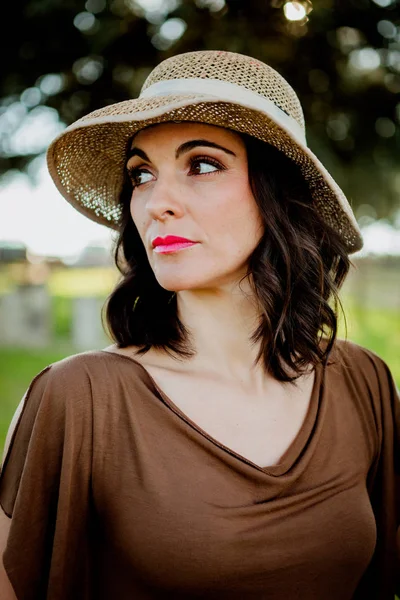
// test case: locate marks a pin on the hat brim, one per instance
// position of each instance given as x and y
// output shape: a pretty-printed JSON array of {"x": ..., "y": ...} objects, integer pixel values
[{"x": 87, "y": 160}]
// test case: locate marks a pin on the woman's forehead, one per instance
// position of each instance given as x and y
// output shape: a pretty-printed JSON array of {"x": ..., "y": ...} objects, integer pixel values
[{"x": 172, "y": 131}]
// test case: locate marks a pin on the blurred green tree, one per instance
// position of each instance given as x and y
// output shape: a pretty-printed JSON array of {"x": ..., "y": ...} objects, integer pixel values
[{"x": 64, "y": 58}]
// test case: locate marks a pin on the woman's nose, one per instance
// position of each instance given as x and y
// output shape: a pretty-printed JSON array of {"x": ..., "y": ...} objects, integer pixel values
[{"x": 165, "y": 199}]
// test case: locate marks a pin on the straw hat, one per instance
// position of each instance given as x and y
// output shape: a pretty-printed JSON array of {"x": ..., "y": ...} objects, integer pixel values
[{"x": 226, "y": 89}]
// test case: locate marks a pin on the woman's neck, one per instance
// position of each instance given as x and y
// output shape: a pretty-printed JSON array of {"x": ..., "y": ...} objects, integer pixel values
[{"x": 221, "y": 323}]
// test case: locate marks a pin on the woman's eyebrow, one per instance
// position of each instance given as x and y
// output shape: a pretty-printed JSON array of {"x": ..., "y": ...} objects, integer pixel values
[
  {"x": 137, "y": 152},
  {"x": 185, "y": 147},
  {"x": 193, "y": 143}
]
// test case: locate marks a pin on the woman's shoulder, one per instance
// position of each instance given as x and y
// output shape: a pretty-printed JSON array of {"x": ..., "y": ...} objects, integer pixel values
[
  {"x": 365, "y": 371},
  {"x": 92, "y": 363},
  {"x": 78, "y": 378},
  {"x": 73, "y": 385},
  {"x": 355, "y": 357}
]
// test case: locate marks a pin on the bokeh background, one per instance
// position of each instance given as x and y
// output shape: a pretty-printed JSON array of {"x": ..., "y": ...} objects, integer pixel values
[{"x": 68, "y": 57}]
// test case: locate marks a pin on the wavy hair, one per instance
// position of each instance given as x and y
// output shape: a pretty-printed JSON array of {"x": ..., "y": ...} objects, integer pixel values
[{"x": 296, "y": 272}]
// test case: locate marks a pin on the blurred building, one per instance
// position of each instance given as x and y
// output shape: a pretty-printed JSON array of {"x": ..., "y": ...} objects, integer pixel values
[
  {"x": 93, "y": 256},
  {"x": 11, "y": 252}
]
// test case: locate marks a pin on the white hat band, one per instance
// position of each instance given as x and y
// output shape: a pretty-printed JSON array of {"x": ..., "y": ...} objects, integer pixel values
[{"x": 229, "y": 92}]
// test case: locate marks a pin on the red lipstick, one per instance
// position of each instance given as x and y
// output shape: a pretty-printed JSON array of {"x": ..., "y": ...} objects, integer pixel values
[{"x": 171, "y": 243}]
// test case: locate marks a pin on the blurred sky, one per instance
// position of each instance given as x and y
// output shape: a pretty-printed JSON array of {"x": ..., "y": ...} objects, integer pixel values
[{"x": 36, "y": 214}]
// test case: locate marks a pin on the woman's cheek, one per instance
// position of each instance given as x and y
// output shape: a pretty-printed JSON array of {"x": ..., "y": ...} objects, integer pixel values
[{"x": 137, "y": 218}]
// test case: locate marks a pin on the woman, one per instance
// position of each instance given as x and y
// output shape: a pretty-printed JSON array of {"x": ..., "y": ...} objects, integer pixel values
[{"x": 227, "y": 445}]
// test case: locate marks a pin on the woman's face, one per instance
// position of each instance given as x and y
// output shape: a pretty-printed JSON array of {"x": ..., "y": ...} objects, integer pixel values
[{"x": 191, "y": 181}]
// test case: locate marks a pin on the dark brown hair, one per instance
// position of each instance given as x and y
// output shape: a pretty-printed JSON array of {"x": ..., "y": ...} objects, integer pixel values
[{"x": 297, "y": 270}]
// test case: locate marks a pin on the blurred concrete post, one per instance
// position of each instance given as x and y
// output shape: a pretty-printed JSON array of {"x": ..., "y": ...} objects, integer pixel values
[
  {"x": 87, "y": 330},
  {"x": 25, "y": 317}
]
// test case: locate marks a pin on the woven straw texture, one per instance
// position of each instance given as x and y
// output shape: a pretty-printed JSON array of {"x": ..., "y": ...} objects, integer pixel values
[{"x": 87, "y": 160}]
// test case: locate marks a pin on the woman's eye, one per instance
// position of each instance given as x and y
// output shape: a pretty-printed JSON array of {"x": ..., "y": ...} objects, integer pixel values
[
  {"x": 206, "y": 167},
  {"x": 202, "y": 166},
  {"x": 139, "y": 176}
]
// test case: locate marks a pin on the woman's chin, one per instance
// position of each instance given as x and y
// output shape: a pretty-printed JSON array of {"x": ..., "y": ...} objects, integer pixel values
[
  {"x": 180, "y": 283},
  {"x": 180, "y": 279},
  {"x": 177, "y": 285}
]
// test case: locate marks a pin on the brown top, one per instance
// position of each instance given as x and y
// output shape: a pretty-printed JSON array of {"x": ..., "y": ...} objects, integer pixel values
[{"x": 115, "y": 494}]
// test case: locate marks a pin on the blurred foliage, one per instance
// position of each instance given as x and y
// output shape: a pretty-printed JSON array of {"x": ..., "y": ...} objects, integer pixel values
[
  {"x": 377, "y": 329},
  {"x": 62, "y": 315},
  {"x": 82, "y": 282},
  {"x": 69, "y": 57},
  {"x": 60, "y": 280}
]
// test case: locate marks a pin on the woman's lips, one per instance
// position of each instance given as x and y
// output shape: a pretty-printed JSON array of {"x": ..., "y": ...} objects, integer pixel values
[
  {"x": 170, "y": 248},
  {"x": 170, "y": 244}
]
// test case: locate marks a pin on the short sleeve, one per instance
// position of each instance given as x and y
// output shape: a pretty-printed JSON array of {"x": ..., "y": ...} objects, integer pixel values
[
  {"x": 382, "y": 579},
  {"x": 45, "y": 487}
]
